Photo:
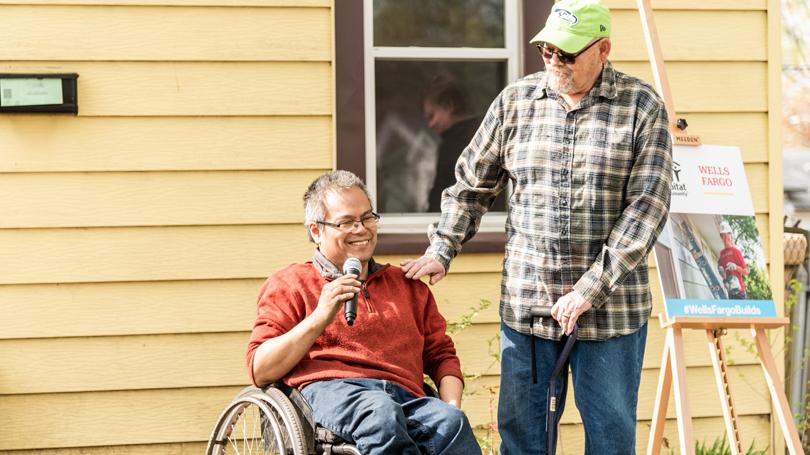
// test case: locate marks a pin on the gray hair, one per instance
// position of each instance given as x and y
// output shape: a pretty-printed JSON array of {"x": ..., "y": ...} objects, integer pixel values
[{"x": 314, "y": 207}]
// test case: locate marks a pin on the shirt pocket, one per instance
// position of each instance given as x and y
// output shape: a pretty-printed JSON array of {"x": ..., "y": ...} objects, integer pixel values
[{"x": 609, "y": 158}]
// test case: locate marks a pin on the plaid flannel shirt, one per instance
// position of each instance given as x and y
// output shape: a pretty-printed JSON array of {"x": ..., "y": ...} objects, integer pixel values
[{"x": 590, "y": 194}]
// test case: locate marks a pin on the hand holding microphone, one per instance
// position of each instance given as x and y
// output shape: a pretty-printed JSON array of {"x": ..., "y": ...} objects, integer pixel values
[{"x": 354, "y": 267}]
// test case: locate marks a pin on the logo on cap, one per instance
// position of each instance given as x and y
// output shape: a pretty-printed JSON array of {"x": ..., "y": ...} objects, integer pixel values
[{"x": 566, "y": 16}]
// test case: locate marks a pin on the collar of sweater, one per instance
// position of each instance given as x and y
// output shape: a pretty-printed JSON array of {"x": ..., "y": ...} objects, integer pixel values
[{"x": 330, "y": 271}]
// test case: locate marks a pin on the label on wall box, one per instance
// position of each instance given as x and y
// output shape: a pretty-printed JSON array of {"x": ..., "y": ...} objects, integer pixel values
[{"x": 30, "y": 92}]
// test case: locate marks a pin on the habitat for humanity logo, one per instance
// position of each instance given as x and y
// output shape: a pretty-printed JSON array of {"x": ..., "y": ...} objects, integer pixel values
[{"x": 678, "y": 188}]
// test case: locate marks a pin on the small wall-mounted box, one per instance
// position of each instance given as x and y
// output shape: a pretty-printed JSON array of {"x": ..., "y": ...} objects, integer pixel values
[{"x": 39, "y": 93}]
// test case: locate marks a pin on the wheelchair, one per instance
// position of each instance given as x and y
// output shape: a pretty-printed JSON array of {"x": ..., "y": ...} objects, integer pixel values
[{"x": 273, "y": 420}]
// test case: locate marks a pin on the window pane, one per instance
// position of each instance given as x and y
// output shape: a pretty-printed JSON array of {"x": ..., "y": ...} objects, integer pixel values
[
  {"x": 433, "y": 23},
  {"x": 426, "y": 113}
]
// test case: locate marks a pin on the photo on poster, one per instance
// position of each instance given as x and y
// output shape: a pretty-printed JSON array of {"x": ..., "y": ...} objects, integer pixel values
[{"x": 709, "y": 255}]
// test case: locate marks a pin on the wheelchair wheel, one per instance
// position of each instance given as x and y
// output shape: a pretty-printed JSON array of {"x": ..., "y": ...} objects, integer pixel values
[{"x": 258, "y": 422}]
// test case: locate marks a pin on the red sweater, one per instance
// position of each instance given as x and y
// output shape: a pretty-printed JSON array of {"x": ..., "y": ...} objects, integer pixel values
[{"x": 398, "y": 335}]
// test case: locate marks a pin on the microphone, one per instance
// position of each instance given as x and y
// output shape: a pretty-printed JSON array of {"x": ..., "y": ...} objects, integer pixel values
[{"x": 353, "y": 266}]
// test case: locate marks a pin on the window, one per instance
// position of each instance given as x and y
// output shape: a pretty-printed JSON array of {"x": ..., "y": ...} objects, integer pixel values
[{"x": 414, "y": 78}]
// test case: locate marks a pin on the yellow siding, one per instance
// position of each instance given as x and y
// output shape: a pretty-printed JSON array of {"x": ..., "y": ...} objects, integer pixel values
[
  {"x": 141, "y": 230},
  {"x": 697, "y": 42},
  {"x": 220, "y": 3},
  {"x": 194, "y": 88},
  {"x": 173, "y": 198},
  {"x": 132, "y": 33},
  {"x": 65, "y": 144}
]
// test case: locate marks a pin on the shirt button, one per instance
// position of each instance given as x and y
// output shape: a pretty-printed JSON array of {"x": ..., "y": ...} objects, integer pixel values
[{"x": 564, "y": 203}]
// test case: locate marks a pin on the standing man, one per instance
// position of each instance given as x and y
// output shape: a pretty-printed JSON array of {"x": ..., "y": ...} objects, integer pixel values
[
  {"x": 731, "y": 264},
  {"x": 588, "y": 152}
]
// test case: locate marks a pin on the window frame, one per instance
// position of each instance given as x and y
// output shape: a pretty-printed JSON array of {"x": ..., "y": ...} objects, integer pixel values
[{"x": 355, "y": 106}]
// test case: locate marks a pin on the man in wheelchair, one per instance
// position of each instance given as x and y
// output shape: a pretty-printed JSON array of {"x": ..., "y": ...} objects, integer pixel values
[{"x": 364, "y": 380}]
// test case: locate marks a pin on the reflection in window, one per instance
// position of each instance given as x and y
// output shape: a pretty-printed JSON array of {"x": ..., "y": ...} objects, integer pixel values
[
  {"x": 439, "y": 23},
  {"x": 426, "y": 113}
]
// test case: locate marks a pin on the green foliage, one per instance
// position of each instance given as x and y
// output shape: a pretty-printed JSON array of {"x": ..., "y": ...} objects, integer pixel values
[
  {"x": 466, "y": 319},
  {"x": 756, "y": 284},
  {"x": 720, "y": 447},
  {"x": 792, "y": 290},
  {"x": 486, "y": 433},
  {"x": 746, "y": 235},
  {"x": 746, "y": 238}
]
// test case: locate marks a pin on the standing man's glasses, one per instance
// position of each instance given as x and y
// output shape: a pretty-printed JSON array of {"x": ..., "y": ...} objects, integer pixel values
[
  {"x": 563, "y": 57},
  {"x": 352, "y": 225}
]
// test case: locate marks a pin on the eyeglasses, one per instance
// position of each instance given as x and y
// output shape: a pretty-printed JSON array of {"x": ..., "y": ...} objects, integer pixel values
[
  {"x": 352, "y": 225},
  {"x": 563, "y": 57}
]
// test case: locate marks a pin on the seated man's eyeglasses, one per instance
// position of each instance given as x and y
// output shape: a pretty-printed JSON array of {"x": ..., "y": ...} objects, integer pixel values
[
  {"x": 563, "y": 57},
  {"x": 352, "y": 225}
]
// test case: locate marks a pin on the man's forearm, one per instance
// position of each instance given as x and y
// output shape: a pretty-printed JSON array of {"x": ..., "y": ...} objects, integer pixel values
[
  {"x": 278, "y": 356},
  {"x": 450, "y": 390}
]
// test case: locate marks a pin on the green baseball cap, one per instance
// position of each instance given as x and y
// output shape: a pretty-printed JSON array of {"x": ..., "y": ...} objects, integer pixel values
[{"x": 573, "y": 24}]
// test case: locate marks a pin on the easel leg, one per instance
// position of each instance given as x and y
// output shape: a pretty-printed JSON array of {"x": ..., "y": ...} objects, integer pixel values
[
  {"x": 675, "y": 341},
  {"x": 659, "y": 416},
  {"x": 724, "y": 390},
  {"x": 781, "y": 405}
]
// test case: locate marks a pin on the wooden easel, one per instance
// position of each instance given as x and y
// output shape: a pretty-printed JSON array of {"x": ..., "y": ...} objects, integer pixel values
[
  {"x": 673, "y": 366},
  {"x": 673, "y": 373}
]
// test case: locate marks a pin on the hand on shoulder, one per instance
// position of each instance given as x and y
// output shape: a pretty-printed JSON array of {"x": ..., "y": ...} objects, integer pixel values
[{"x": 425, "y": 265}]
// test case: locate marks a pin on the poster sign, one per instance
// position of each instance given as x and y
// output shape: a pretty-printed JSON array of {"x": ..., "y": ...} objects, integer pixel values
[{"x": 709, "y": 255}]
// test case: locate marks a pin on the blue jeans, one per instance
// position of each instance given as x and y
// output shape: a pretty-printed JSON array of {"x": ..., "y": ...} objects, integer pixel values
[
  {"x": 381, "y": 417},
  {"x": 605, "y": 376}
]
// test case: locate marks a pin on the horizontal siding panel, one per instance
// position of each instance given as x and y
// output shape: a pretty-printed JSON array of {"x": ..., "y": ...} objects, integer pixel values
[
  {"x": 63, "y": 144},
  {"x": 123, "y": 363},
  {"x": 462, "y": 294},
  {"x": 182, "y": 448},
  {"x": 167, "y": 253},
  {"x": 746, "y": 39},
  {"x": 136, "y": 308},
  {"x": 187, "y": 415},
  {"x": 153, "y": 198},
  {"x": 111, "y": 418},
  {"x": 155, "y": 253},
  {"x": 473, "y": 345},
  {"x": 748, "y": 131},
  {"x": 613, "y": 4},
  {"x": 234, "y": 3},
  {"x": 706, "y": 429},
  {"x": 90, "y": 33},
  {"x": 184, "y": 198},
  {"x": 757, "y": 175},
  {"x": 692, "y": 4},
  {"x": 194, "y": 89},
  {"x": 130, "y": 308},
  {"x": 166, "y": 361},
  {"x": 696, "y": 347},
  {"x": 711, "y": 86},
  {"x": 751, "y": 395},
  {"x": 755, "y": 429}
]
